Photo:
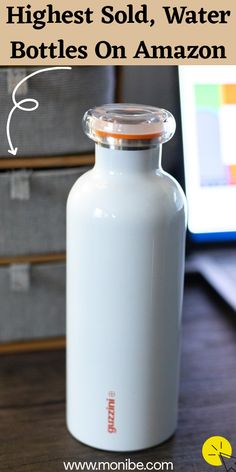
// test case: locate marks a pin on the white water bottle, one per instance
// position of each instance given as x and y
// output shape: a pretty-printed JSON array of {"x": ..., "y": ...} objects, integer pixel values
[{"x": 125, "y": 263}]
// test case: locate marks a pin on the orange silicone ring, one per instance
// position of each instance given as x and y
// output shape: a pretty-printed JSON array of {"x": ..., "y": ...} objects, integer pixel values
[{"x": 128, "y": 136}]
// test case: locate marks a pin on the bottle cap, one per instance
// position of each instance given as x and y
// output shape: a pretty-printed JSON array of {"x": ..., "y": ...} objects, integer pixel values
[{"x": 130, "y": 124}]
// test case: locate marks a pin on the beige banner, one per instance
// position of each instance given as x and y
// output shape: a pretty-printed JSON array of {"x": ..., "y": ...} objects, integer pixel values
[{"x": 99, "y": 33}]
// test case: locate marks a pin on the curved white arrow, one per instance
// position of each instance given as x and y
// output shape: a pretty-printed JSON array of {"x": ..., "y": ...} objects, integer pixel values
[{"x": 13, "y": 150}]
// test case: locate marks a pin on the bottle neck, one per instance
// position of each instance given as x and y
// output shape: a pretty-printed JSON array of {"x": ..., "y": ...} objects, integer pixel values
[{"x": 120, "y": 161}]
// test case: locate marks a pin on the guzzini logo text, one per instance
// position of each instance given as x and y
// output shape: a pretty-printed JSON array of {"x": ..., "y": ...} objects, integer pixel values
[{"x": 111, "y": 409}]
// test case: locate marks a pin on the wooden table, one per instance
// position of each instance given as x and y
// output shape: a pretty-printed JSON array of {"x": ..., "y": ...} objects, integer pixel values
[{"x": 33, "y": 435}]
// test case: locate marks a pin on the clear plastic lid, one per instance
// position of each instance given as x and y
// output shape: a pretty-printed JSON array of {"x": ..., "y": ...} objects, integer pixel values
[{"x": 129, "y": 125}]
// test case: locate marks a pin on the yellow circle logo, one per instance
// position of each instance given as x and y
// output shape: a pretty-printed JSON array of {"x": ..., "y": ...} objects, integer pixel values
[{"x": 215, "y": 447}]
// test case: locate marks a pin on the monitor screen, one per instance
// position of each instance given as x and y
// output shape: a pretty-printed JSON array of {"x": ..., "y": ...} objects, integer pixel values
[{"x": 208, "y": 111}]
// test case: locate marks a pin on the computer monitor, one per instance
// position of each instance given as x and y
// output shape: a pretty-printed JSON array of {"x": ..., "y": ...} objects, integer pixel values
[{"x": 208, "y": 111}]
